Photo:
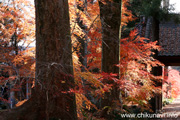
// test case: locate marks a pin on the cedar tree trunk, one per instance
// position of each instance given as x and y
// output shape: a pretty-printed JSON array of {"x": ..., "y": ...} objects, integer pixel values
[{"x": 110, "y": 15}]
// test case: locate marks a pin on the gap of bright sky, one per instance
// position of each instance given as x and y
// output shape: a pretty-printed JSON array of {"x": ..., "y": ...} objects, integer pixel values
[{"x": 176, "y": 4}]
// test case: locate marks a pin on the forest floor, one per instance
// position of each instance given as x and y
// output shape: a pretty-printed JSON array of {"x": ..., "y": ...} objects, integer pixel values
[{"x": 172, "y": 111}]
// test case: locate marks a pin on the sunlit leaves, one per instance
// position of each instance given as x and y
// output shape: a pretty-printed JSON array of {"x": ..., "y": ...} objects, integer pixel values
[
  {"x": 136, "y": 80},
  {"x": 136, "y": 65},
  {"x": 171, "y": 84},
  {"x": 17, "y": 33}
]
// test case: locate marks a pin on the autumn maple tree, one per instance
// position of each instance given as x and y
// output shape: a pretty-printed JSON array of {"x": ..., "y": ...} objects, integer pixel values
[{"x": 136, "y": 60}]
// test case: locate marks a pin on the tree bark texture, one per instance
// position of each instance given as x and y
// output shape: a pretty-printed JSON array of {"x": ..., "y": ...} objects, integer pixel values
[
  {"x": 54, "y": 58},
  {"x": 110, "y": 15},
  {"x": 110, "y": 19}
]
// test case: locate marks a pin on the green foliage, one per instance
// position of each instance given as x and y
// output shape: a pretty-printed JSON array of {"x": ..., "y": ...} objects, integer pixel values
[
  {"x": 167, "y": 101},
  {"x": 150, "y": 8}
]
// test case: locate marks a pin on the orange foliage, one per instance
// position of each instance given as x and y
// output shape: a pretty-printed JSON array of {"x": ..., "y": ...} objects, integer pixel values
[
  {"x": 136, "y": 58},
  {"x": 87, "y": 15},
  {"x": 171, "y": 84},
  {"x": 126, "y": 14},
  {"x": 136, "y": 64},
  {"x": 21, "y": 102},
  {"x": 17, "y": 33}
]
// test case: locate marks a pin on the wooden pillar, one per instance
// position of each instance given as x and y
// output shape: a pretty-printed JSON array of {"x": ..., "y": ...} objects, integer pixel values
[
  {"x": 156, "y": 101},
  {"x": 165, "y": 77},
  {"x": 159, "y": 96}
]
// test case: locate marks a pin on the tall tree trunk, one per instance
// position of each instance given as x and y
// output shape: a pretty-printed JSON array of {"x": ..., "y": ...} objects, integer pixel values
[
  {"x": 50, "y": 99},
  {"x": 54, "y": 58},
  {"x": 110, "y": 14}
]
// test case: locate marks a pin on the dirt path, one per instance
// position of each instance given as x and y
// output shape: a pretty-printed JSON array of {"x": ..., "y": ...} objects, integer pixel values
[{"x": 172, "y": 110}]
